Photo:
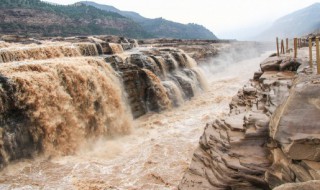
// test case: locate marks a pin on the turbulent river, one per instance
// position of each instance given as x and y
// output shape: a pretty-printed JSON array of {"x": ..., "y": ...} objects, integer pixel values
[{"x": 156, "y": 153}]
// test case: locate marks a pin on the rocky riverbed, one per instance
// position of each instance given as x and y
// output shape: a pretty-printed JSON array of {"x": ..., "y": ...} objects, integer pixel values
[
  {"x": 162, "y": 87},
  {"x": 104, "y": 112}
]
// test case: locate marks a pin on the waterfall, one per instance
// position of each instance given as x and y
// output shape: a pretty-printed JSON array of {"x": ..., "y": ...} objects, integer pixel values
[
  {"x": 201, "y": 77},
  {"x": 11, "y": 54},
  {"x": 54, "y": 105},
  {"x": 88, "y": 49},
  {"x": 115, "y": 48},
  {"x": 156, "y": 96},
  {"x": 172, "y": 64},
  {"x": 58, "y": 95},
  {"x": 161, "y": 64},
  {"x": 170, "y": 70},
  {"x": 174, "y": 92},
  {"x": 47, "y": 51}
]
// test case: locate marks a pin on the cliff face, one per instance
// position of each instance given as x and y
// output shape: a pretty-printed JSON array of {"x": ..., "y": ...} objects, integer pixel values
[
  {"x": 270, "y": 137},
  {"x": 294, "y": 128}
]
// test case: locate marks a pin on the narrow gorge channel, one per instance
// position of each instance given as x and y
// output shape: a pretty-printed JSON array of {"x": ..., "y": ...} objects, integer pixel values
[{"x": 158, "y": 144}]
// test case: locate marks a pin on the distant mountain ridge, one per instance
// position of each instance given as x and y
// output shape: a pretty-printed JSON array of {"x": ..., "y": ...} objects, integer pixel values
[
  {"x": 37, "y": 18},
  {"x": 298, "y": 23},
  {"x": 160, "y": 27}
]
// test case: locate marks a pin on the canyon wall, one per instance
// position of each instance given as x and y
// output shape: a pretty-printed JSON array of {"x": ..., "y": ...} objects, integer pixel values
[{"x": 269, "y": 138}]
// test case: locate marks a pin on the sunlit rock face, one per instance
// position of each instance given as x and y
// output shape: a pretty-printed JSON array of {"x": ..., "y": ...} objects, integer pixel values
[
  {"x": 294, "y": 129},
  {"x": 270, "y": 137}
]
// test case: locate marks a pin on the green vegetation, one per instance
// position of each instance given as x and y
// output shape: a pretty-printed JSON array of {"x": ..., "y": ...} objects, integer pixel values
[
  {"x": 75, "y": 11},
  {"x": 159, "y": 27},
  {"x": 167, "y": 29},
  {"x": 38, "y": 18},
  {"x": 77, "y": 19}
]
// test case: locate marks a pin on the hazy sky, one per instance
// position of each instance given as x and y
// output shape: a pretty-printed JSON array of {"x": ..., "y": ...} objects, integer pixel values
[{"x": 226, "y": 18}]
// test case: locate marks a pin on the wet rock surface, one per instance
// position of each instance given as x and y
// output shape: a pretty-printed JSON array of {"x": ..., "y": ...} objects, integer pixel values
[
  {"x": 156, "y": 79},
  {"x": 271, "y": 136}
]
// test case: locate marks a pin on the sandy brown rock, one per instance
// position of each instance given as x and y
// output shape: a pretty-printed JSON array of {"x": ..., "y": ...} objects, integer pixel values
[
  {"x": 235, "y": 152},
  {"x": 295, "y": 130},
  {"x": 282, "y": 63}
]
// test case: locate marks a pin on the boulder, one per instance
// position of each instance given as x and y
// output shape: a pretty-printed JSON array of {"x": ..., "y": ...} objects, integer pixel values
[
  {"x": 280, "y": 63},
  {"x": 295, "y": 124},
  {"x": 271, "y": 64}
]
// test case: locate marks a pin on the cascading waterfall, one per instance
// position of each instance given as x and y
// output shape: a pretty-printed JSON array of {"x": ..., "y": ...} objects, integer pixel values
[
  {"x": 161, "y": 64},
  {"x": 174, "y": 92},
  {"x": 88, "y": 49},
  {"x": 200, "y": 76},
  {"x": 38, "y": 52},
  {"x": 115, "y": 48},
  {"x": 156, "y": 95},
  {"x": 47, "y": 51},
  {"x": 171, "y": 62},
  {"x": 53, "y": 99},
  {"x": 54, "y": 105},
  {"x": 179, "y": 74}
]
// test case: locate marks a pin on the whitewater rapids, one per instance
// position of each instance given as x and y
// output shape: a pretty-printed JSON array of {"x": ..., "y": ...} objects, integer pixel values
[{"x": 154, "y": 156}]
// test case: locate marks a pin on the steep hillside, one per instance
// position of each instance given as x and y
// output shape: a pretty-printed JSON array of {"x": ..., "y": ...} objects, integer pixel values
[
  {"x": 36, "y": 18},
  {"x": 298, "y": 23},
  {"x": 160, "y": 27}
]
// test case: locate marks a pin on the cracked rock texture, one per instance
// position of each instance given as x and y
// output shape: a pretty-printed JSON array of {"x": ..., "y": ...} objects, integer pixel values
[{"x": 269, "y": 138}]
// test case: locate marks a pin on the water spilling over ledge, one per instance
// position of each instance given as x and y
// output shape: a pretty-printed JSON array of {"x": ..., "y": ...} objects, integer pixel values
[
  {"x": 58, "y": 95},
  {"x": 53, "y": 105},
  {"x": 155, "y": 80}
]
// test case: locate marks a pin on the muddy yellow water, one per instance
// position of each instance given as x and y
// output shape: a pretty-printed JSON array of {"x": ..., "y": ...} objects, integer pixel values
[{"x": 154, "y": 156}]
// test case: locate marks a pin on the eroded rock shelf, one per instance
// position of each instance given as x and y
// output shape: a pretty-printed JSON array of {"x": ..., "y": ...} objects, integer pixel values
[{"x": 269, "y": 138}]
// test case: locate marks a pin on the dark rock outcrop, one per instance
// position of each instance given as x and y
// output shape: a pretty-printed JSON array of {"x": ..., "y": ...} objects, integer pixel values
[
  {"x": 146, "y": 76},
  {"x": 280, "y": 64}
]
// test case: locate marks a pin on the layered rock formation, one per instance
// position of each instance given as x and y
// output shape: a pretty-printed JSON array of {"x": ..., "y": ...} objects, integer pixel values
[
  {"x": 294, "y": 129},
  {"x": 269, "y": 138}
]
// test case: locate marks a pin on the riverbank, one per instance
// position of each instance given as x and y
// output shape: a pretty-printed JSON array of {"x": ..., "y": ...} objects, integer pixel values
[{"x": 270, "y": 135}]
